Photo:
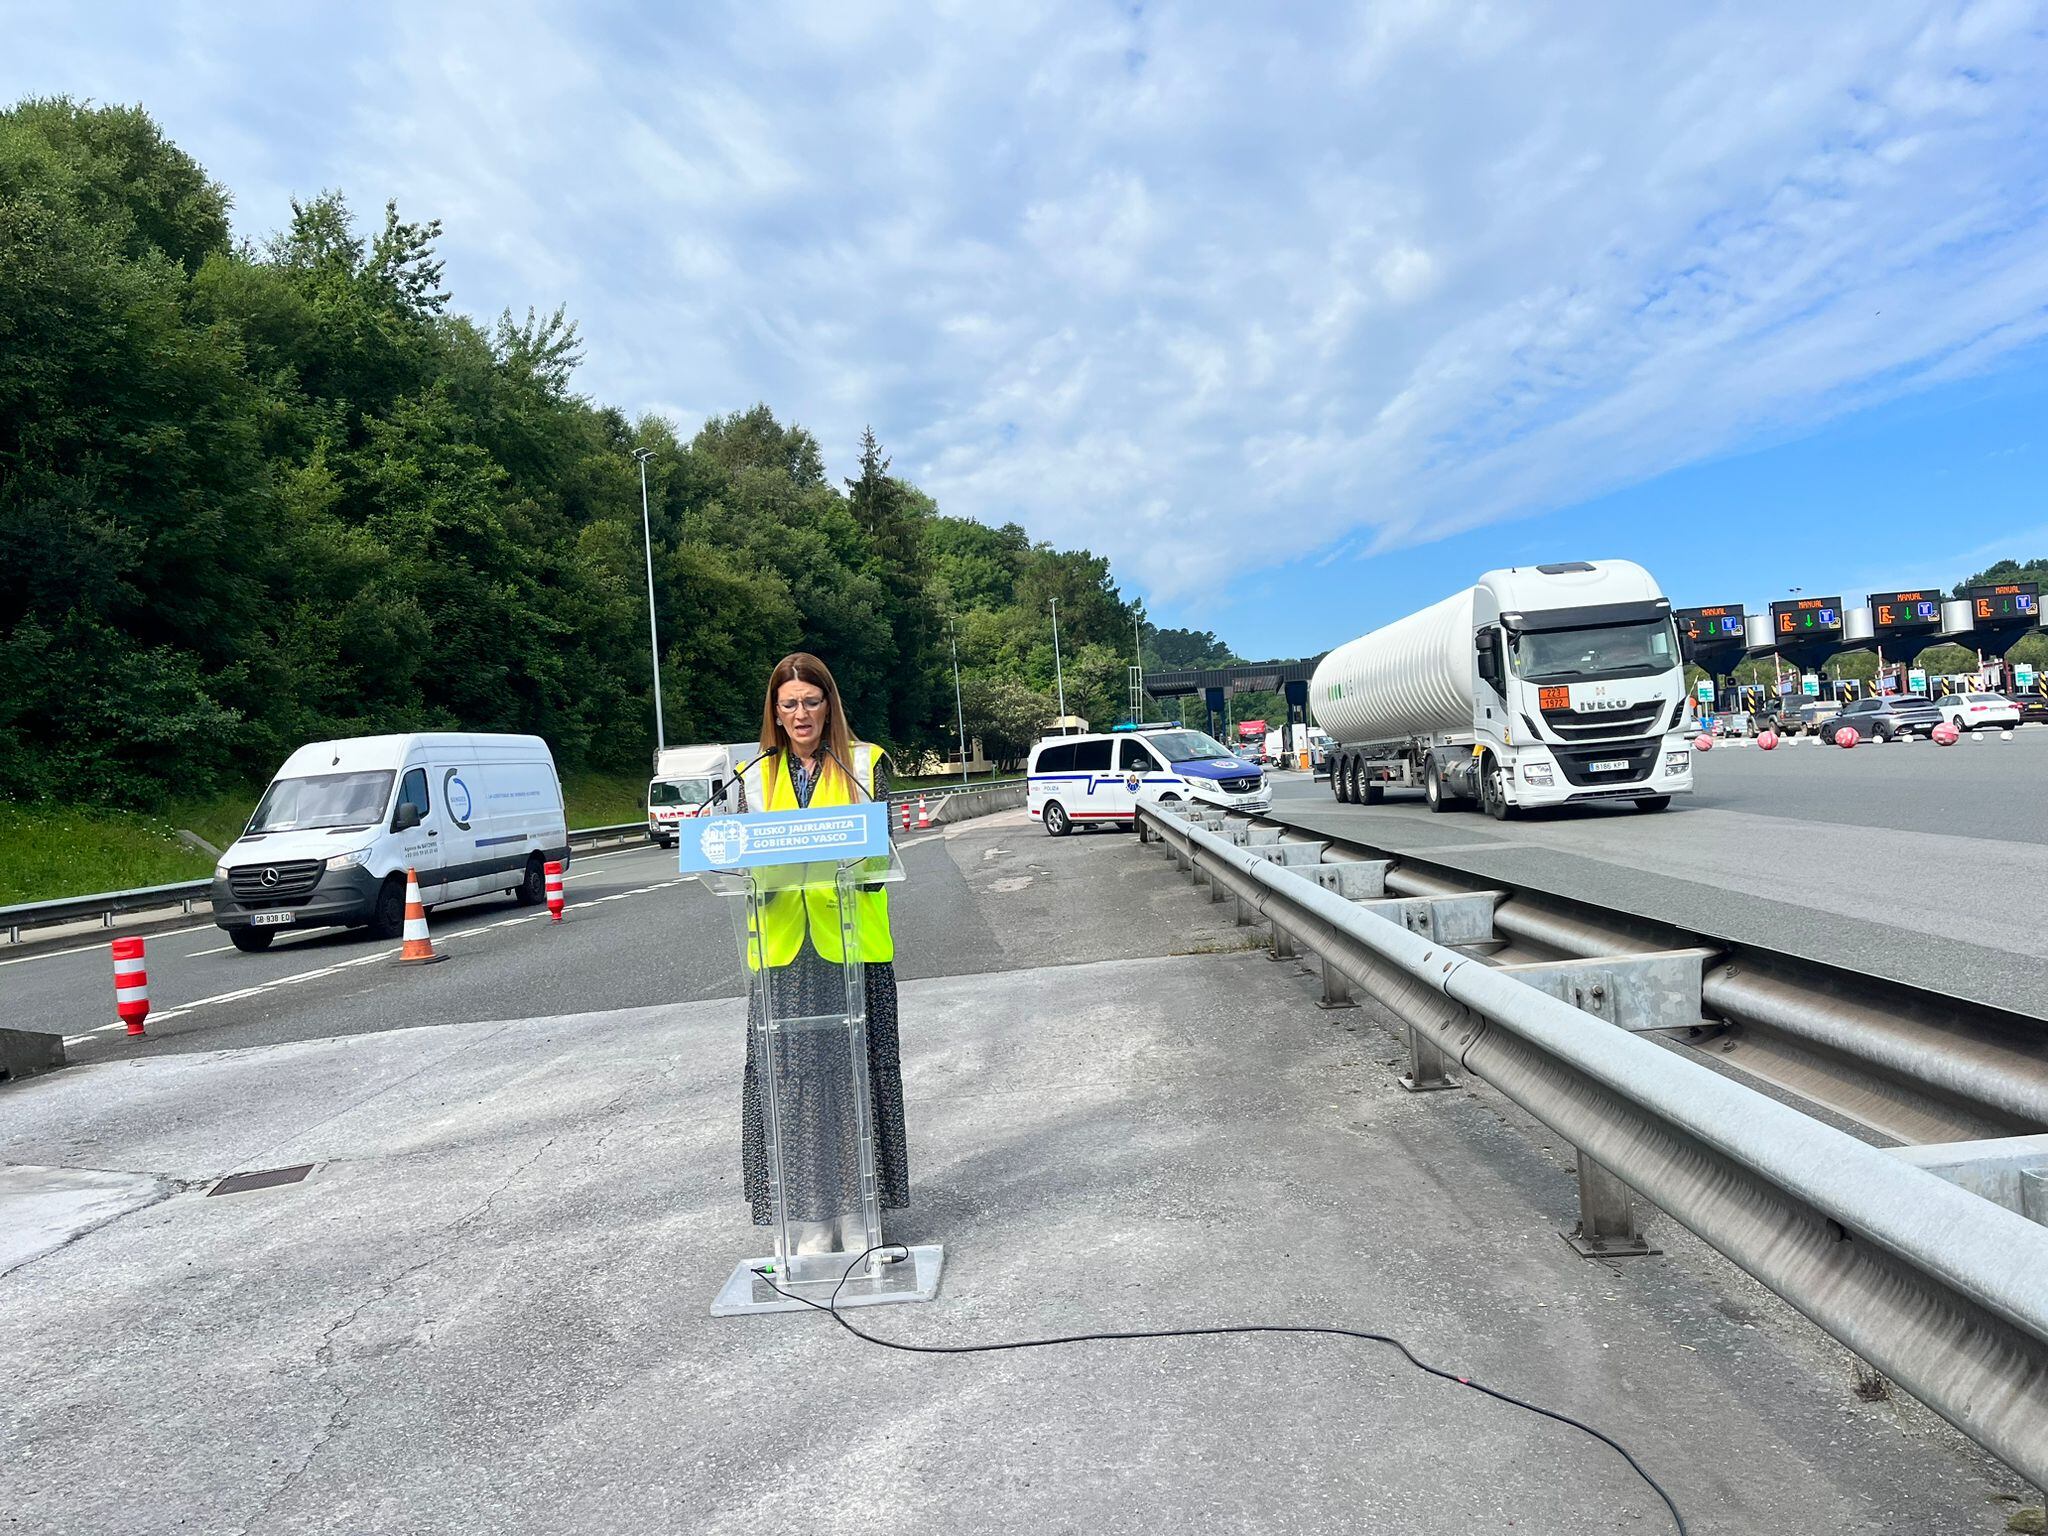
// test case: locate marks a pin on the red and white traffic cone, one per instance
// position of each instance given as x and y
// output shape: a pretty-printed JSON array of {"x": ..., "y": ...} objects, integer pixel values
[
  {"x": 924, "y": 815},
  {"x": 906, "y": 815},
  {"x": 554, "y": 872},
  {"x": 418, "y": 949},
  {"x": 131, "y": 984}
]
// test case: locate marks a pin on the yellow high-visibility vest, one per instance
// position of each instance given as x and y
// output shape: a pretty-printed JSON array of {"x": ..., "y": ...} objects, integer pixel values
[{"x": 785, "y": 915}]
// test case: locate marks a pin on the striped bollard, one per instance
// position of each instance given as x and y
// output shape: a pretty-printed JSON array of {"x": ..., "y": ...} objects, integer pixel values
[
  {"x": 906, "y": 815},
  {"x": 131, "y": 984},
  {"x": 554, "y": 872}
]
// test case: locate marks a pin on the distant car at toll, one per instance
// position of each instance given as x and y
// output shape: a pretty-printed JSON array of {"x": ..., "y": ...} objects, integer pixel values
[
  {"x": 1979, "y": 711},
  {"x": 1735, "y": 722},
  {"x": 1811, "y": 718},
  {"x": 1890, "y": 719},
  {"x": 2033, "y": 708}
]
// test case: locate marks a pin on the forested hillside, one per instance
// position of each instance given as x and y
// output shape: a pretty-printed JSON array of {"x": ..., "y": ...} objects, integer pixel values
[{"x": 256, "y": 492}]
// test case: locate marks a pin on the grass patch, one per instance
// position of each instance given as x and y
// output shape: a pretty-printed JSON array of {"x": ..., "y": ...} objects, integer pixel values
[
  {"x": 55, "y": 851},
  {"x": 60, "y": 850},
  {"x": 603, "y": 799}
]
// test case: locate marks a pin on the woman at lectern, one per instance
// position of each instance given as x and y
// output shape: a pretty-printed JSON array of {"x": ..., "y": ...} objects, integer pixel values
[{"x": 809, "y": 758}]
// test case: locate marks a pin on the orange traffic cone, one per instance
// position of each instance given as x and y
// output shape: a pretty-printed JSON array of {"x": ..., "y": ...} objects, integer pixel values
[
  {"x": 418, "y": 948},
  {"x": 924, "y": 815}
]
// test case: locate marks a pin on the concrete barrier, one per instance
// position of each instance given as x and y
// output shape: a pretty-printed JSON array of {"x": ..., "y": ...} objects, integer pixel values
[
  {"x": 971, "y": 803},
  {"x": 25, "y": 1052}
]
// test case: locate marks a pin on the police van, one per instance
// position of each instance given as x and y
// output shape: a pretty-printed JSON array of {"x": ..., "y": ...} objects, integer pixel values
[
  {"x": 336, "y": 831},
  {"x": 1099, "y": 780}
]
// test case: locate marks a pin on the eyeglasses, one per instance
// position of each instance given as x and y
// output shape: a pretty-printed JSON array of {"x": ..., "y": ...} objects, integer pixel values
[{"x": 799, "y": 706}]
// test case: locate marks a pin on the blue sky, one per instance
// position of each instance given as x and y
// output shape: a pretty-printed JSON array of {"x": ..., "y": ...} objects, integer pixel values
[{"x": 1304, "y": 317}]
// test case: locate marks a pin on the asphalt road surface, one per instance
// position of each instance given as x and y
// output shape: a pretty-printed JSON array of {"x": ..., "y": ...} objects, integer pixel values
[
  {"x": 635, "y": 934},
  {"x": 1920, "y": 863}
]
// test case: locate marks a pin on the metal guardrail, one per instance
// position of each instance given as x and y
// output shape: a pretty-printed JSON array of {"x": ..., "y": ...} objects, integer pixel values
[
  {"x": 1940, "y": 1288},
  {"x": 108, "y": 905}
]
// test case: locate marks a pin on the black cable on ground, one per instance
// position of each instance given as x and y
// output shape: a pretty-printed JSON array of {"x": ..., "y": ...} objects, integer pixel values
[{"x": 831, "y": 1309}]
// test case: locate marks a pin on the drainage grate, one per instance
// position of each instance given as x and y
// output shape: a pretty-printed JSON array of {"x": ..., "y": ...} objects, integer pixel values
[{"x": 236, "y": 1183}]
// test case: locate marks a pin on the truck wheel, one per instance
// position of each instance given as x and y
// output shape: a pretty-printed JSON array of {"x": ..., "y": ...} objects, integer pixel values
[
  {"x": 533, "y": 890},
  {"x": 1433, "y": 788},
  {"x": 388, "y": 921},
  {"x": 1057, "y": 822},
  {"x": 1340, "y": 783},
  {"x": 250, "y": 941},
  {"x": 1653, "y": 802},
  {"x": 1355, "y": 779},
  {"x": 1375, "y": 792},
  {"x": 1493, "y": 793}
]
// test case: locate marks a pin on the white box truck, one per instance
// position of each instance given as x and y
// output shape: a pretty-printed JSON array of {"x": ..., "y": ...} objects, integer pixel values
[
  {"x": 336, "y": 831},
  {"x": 683, "y": 784},
  {"x": 1539, "y": 685}
]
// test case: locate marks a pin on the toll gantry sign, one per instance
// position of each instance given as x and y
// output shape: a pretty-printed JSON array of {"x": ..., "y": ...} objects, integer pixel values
[
  {"x": 1719, "y": 623},
  {"x": 2006, "y": 602},
  {"x": 1807, "y": 618},
  {"x": 1905, "y": 613}
]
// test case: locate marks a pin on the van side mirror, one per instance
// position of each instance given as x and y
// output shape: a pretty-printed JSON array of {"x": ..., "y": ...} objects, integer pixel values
[{"x": 407, "y": 818}]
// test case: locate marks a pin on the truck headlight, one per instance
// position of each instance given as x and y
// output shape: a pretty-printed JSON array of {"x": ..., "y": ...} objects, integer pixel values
[
  {"x": 1677, "y": 762},
  {"x": 1537, "y": 773},
  {"x": 354, "y": 860}
]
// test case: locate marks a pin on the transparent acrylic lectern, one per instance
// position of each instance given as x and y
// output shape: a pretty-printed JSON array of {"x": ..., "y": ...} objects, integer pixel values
[{"x": 808, "y": 1022}]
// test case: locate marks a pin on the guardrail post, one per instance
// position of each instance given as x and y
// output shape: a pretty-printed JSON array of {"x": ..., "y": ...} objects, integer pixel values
[
  {"x": 1607, "y": 1216},
  {"x": 1428, "y": 1068},
  {"x": 1336, "y": 988},
  {"x": 1282, "y": 947}
]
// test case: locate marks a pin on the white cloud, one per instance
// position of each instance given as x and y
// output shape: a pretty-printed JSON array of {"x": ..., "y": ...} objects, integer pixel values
[{"x": 1201, "y": 290}]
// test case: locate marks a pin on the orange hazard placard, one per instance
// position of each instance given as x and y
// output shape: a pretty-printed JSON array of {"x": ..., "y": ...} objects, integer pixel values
[{"x": 1554, "y": 698}]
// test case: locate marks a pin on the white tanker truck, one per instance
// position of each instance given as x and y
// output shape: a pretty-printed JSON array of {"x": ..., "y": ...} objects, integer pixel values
[{"x": 1539, "y": 685}]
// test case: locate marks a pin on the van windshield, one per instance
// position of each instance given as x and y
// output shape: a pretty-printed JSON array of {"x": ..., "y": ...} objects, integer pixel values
[
  {"x": 323, "y": 800},
  {"x": 1609, "y": 650},
  {"x": 1187, "y": 746},
  {"x": 679, "y": 792}
]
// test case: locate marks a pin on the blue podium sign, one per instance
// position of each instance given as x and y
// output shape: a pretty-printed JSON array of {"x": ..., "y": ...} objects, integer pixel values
[{"x": 783, "y": 837}]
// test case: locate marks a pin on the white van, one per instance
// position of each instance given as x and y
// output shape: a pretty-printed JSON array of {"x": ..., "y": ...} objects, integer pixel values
[
  {"x": 1099, "y": 779},
  {"x": 343, "y": 821}
]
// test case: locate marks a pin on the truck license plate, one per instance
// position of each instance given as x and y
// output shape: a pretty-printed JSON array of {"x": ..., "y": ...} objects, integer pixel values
[
  {"x": 1612, "y": 765},
  {"x": 270, "y": 919}
]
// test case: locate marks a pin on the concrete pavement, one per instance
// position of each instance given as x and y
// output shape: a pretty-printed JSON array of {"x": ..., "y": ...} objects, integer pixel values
[{"x": 485, "y": 1309}]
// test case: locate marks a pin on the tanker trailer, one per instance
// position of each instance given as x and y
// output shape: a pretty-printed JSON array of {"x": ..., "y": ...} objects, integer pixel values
[{"x": 1538, "y": 685}]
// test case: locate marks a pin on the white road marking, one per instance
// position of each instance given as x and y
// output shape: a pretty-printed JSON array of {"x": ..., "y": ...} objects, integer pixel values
[
  {"x": 199, "y": 952},
  {"x": 166, "y": 1015},
  {"x": 112, "y": 934}
]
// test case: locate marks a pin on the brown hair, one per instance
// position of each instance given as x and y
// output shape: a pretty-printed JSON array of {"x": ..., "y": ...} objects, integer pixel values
[{"x": 836, "y": 740}]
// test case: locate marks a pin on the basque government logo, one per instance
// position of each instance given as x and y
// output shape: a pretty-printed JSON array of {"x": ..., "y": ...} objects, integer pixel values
[{"x": 723, "y": 840}]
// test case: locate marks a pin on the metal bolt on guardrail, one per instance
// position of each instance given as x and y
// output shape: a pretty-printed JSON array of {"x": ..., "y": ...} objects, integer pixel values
[{"x": 1911, "y": 1267}]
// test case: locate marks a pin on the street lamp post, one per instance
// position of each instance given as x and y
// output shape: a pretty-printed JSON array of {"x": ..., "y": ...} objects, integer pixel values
[
  {"x": 959, "y": 714},
  {"x": 1059, "y": 677},
  {"x": 653, "y": 638},
  {"x": 1138, "y": 655}
]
